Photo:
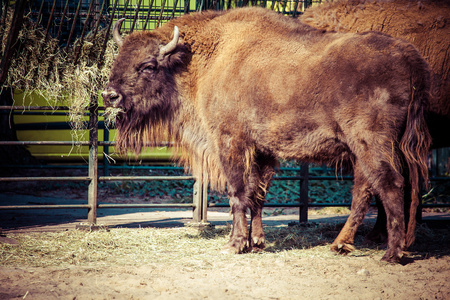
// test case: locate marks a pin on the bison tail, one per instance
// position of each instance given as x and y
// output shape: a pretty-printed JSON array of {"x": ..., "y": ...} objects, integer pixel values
[{"x": 416, "y": 140}]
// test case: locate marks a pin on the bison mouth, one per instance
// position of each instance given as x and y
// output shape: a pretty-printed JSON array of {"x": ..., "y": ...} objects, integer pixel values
[{"x": 111, "y": 115}]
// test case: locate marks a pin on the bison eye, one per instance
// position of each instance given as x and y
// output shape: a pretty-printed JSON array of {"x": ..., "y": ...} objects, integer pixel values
[{"x": 148, "y": 66}]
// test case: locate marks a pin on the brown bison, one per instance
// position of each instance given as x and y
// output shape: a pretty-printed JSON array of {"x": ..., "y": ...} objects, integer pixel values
[
  {"x": 236, "y": 90},
  {"x": 425, "y": 24}
]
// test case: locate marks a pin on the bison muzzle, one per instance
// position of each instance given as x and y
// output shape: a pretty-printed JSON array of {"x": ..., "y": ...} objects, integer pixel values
[{"x": 237, "y": 90}]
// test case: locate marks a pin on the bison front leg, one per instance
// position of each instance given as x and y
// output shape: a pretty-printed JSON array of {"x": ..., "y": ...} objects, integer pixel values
[
  {"x": 362, "y": 195},
  {"x": 238, "y": 242},
  {"x": 257, "y": 237}
]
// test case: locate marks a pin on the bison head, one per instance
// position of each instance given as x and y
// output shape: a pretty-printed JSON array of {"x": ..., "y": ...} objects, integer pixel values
[{"x": 142, "y": 92}]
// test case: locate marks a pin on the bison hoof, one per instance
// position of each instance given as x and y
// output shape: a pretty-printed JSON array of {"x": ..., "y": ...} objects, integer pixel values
[
  {"x": 258, "y": 244},
  {"x": 342, "y": 248},
  {"x": 393, "y": 257},
  {"x": 236, "y": 246}
]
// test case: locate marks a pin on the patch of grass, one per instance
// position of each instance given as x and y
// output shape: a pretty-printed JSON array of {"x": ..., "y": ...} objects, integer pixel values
[{"x": 188, "y": 246}]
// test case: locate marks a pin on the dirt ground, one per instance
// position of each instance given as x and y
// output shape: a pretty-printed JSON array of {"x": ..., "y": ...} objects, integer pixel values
[
  {"x": 309, "y": 273},
  {"x": 275, "y": 278}
]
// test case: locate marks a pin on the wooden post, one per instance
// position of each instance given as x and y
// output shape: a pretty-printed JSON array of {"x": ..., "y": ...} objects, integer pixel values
[
  {"x": 197, "y": 200},
  {"x": 204, "y": 201},
  {"x": 93, "y": 160},
  {"x": 200, "y": 200},
  {"x": 304, "y": 171}
]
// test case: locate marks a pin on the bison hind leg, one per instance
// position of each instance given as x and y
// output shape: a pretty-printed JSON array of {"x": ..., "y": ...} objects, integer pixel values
[
  {"x": 388, "y": 184},
  {"x": 362, "y": 195}
]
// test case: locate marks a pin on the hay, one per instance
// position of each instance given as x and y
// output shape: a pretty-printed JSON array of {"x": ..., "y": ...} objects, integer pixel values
[
  {"x": 41, "y": 66},
  {"x": 186, "y": 246}
]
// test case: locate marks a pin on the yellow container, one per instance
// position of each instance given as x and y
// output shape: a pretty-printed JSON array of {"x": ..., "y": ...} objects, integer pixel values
[{"x": 40, "y": 125}]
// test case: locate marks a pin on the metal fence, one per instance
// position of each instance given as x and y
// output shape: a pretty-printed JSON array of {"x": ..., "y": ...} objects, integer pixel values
[{"x": 67, "y": 21}]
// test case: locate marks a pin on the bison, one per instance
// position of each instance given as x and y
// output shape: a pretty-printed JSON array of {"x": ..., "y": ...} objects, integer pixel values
[
  {"x": 425, "y": 24},
  {"x": 237, "y": 90}
]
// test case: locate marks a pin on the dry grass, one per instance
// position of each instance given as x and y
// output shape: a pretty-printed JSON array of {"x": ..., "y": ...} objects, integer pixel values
[
  {"x": 41, "y": 66},
  {"x": 189, "y": 247}
]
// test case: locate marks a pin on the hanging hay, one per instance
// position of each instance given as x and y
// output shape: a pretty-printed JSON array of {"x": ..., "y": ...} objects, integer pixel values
[{"x": 39, "y": 65}]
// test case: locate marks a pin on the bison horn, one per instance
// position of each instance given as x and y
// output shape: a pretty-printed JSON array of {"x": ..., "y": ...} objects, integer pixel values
[
  {"x": 116, "y": 33},
  {"x": 172, "y": 44}
]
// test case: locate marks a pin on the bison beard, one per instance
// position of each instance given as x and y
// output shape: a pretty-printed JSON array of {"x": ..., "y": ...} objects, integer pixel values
[{"x": 236, "y": 90}]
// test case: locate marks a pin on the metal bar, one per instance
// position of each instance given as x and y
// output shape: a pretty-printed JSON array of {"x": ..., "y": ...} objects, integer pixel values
[
  {"x": 204, "y": 197},
  {"x": 78, "y": 143},
  {"x": 228, "y": 4},
  {"x": 49, "y": 206},
  {"x": 293, "y": 205},
  {"x": 106, "y": 153},
  {"x": 39, "y": 17},
  {"x": 163, "y": 3},
  {"x": 147, "y": 144},
  {"x": 125, "y": 9},
  {"x": 313, "y": 177},
  {"x": 197, "y": 198},
  {"x": 62, "y": 20},
  {"x": 180, "y": 205},
  {"x": 38, "y": 113},
  {"x": 186, "y": 6},
  {"x": 83, "y": 32},
  {"x": 69, "y": 178},
  {"x": 136, "y": 16},
  {"x": 50, "y": 20},
  {"x": 144, "y": 178},
  {"x": 294, "y": 14},
  {"x": 93, "y": 160},
  {"x": 148, "y": 14},
  {"x": 44, "y": 143},
  {"x": 14, "y": 107},
  {"x": 303, "y": 214},
  {"x": 3, "y": 14},
  {"x": 50, "y": 64},
  {"x": 13, "y": 34},
  {"x": 105, "y": 41},
  {"x": 174, "y": 8},
  {"x": 73, "y": 26},
  {"x": 99, "y": 17},
  {"x": 297, "y": 204}
]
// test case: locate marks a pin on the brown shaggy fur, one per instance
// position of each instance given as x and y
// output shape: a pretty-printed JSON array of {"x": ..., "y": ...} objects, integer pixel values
[
  {"x": 248, "y": 86},
  {"x": 425, "y": 24}
]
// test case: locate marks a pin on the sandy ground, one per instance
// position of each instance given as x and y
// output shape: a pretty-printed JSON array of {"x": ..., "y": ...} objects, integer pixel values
[
  {"x": 302, "y": 278},
  {"x": 296, "y": 274}
]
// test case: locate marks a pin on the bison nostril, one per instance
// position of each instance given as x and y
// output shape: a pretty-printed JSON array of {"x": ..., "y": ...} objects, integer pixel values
[{"x": 112, "y": 98}]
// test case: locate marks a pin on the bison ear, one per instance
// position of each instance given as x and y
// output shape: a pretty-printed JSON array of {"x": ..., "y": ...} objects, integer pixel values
[
  {"x": 174, "y": 58},
  {"x": 172, "y": 54}
]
